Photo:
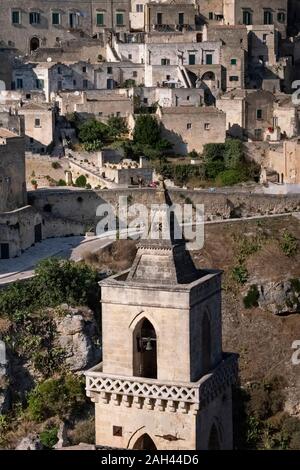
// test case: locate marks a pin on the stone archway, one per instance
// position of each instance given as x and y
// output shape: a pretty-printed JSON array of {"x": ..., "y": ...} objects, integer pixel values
[
  {"x": 145, "y": 350},
  {"x": 144, "y": 442},
  {"x": 34, "y": 44}
]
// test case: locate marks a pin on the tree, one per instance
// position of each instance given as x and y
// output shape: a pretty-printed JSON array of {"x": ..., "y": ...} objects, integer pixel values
[
  {"x": 147, "y": 130},
  {"x": 116, "y": 126},
  {"x": 233, "y": 153},
  {"x": 81, "y": 181},
  {"x": 93, "y": 131}
]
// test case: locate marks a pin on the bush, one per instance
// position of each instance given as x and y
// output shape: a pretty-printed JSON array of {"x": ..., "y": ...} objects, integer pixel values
[
  {"x": 251, "y": 299},
  {"x": 81, "y": 181},
  {"x": 92, "y": 131},
  {"x": 93, "y": 146},
  {"x": 240, "y": 274},
  {"x": 56, "y": 165},
  {"x": 289, "y": 244},
  {"x": 61, "y": 182},
  {"x": 231, "y": 177},
  {"x": 147, "y": 130},
  {"x": 56, "y": 397},
  {"x": 66, "y": 281},
  {"x": 49, "y": 438},
  {"x": 117, "y": 126}
]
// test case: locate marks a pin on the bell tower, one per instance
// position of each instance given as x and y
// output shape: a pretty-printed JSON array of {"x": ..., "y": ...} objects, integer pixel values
[{"x": 164, "y": 382}]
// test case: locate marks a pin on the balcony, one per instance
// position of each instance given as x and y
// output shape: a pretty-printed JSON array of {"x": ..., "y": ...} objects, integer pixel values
[{"x": 140, "y": 392}]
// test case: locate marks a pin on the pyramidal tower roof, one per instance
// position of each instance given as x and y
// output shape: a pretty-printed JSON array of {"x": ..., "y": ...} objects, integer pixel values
[{"x": 163, "y": 261}]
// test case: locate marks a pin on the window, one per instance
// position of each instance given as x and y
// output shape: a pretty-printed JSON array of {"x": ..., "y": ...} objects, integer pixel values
[
  {"x": 247, "y": 17},
  {"x": 74, "y": 82},
  {"x": 34, "y": 17},
  {"x": 16, "y": 17},
  {"x": 134, "y": 74},
  {"x": 59, "y": 70},
  {"x": 268, "y": 17},
  {"x": 281, "y": 16},
  {"x": 31, "y": 140},
  {"x": 209, "y": 59},
  {"x": 189, "y": 125},
  {"x": 118, "y": 114},
  {"x": 37, "y": 122},
  {"x": 120, "y": 19},
  {"x": 207, "y": 126},
  {"x": 259, "y": 114},
  {"x": 109, "y": 70},
  {"x": 28, "y": 96},
  {"x": 258, "y": 134},
  {"x": 85, "y": 84},
  {"x": 145, "y": 100},
  {"x": 165, "y": 61},
  {"x": 159, "y": 18},
  {"x": 129, "y": 56},
  {"x": 84, "y": 69},
  {"x": 40, "y": 83},
  {"x": 168, "y": 77},
  {"x": 139, "y": 8},
  {"x": 117, "y": 431},
  {"x": 233, "y": 61},
  {"x": 55, "y": 18},
  {"x": 19, "y": 83},
  {"x": 181, "y": 19},
  {"x": 192, "y": 59},
  {"x": 100, "y": 19},
  {"x": 100, "y": 113},
  {"x": 233, "y": 78},
  {"x": 210, "y": 15}
]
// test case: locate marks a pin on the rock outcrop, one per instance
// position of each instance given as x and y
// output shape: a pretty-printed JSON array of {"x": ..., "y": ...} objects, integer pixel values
[
  {"x": 30, "y": 442},
  {"x": 280, "y": 297},
  {"x": 78, "y": 336}
]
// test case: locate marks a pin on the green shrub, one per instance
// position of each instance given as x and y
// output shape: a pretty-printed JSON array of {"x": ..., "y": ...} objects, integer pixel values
[
  {"x": 240, "y": 274},
  {"x": 146, "y": 130},
  {"x": 56, "y": 397},
  {"x": 49, "y": 438},
  {"x": 56, "y": 165},
  {"x": 289, "y": 244},
  {"x": 116, "y": 126},
  {"x": 92, "y": 131},
  {"x": 81, "y": 181},
  {"x": 251, "y": 299},
  {"x": 231, "y": 177},
  {"x": 61, "y": 182}
]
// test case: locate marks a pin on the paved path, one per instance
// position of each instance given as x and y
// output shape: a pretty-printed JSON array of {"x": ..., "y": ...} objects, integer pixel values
[{"x": 69, "y": 248}]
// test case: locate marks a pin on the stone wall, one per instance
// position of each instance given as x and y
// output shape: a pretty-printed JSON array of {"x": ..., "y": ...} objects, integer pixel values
[{"x": 81, "y": 205}]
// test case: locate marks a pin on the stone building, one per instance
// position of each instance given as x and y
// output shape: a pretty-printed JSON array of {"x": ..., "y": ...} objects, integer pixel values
[
  {"x": 282, "y": 164},
  {"x": 29, "y": 25},
  {"x": 190, "y": 128},
  {"x": 39, "y": 119},
  {"x": 164, "y": 382}
]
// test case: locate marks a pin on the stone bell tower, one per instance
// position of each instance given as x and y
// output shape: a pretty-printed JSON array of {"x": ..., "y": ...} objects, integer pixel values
[{"x": 164, "y": 382}]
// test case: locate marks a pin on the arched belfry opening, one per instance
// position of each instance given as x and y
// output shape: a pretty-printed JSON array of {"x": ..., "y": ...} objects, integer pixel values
[
  {"x": 206, "y": 344},
  {"x": 144, "y": 442},
  {"x": 34, "y": 44},
  {"x": 145, "y": 350},
  {"x": 214, "y": 442}
]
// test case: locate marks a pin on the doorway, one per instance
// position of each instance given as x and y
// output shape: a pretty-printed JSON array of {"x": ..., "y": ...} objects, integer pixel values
[
  {"x": 34, "y": 44},
  {"x": 4, "y": 250},
  {"x": 144, "y": 442},
  {"x": 38, "y": 233}
]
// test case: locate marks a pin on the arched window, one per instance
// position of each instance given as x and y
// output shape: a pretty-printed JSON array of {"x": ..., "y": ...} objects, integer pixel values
[
  {"x": 34, "y": 44},
  {"x": 144, "y": 442},
  {"x": 214, "y": 442},
  {"x": 145, "y": 350},
  {"x": 206, "y": 344}
]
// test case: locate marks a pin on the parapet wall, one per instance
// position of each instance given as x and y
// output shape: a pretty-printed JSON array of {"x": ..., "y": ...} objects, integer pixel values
[{"x": 81, "y": 205}]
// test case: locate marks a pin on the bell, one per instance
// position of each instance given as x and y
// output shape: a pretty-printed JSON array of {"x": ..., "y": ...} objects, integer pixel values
[{"x": 148, "y": 345}]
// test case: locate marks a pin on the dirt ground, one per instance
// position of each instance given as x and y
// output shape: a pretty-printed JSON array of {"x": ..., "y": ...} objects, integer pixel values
[{"x": 39, "y": 168}]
